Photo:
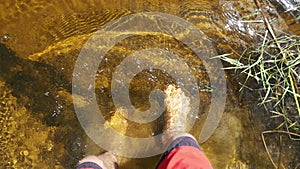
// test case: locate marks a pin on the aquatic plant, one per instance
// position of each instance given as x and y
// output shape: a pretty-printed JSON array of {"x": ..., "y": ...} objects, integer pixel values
[{"x": 275, "y": 65}]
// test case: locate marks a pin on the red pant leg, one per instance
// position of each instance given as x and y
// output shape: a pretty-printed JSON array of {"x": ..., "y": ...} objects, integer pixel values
[{"x": 184, "y": 154}]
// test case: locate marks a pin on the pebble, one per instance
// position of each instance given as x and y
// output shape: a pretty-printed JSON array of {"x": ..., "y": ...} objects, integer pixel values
[
  {"x": 5, "y": 38},
  {"x": 24, "y": 153}
]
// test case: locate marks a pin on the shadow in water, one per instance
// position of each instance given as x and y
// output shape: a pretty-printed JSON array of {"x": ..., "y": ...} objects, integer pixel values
[
  {"x": 42, "y": 90},
  {"x": 37, "y": 83}
]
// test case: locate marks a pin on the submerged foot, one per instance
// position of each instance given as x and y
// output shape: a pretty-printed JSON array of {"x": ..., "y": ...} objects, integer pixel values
[{"x": 178, "y": 109}]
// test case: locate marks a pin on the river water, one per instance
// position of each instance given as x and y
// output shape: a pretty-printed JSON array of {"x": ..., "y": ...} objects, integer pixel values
[{"x": 41, "y": 41}]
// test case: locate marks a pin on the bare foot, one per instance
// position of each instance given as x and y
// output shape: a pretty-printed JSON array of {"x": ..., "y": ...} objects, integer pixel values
[{"x": 178, "y": 108}]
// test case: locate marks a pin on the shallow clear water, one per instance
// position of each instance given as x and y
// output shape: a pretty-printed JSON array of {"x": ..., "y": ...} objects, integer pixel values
[{"x": 39, "y": 125}]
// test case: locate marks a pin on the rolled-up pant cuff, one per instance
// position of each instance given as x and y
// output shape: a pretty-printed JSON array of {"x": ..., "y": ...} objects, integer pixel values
[
  {"x": 178, "y": 142},
  {"x": 88, "y": 165}
]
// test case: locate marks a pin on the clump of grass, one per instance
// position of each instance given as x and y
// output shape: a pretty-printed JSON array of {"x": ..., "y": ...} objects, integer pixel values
[{"x": 275, "y": 65}]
